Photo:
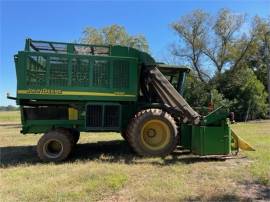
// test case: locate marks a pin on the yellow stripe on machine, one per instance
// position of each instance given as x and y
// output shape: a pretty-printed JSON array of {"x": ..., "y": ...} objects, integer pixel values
[
  {"x": 94, "y": 93},
  {"x": 82, "y": 93}
]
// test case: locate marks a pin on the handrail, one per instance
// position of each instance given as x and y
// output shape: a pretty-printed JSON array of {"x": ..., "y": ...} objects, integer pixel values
[{"x": 76, "y": 55}]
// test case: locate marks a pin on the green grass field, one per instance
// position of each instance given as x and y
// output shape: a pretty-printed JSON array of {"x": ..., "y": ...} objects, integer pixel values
[
  {"x": 9, "y": 116},
  {"x": 103, "y": 168}
]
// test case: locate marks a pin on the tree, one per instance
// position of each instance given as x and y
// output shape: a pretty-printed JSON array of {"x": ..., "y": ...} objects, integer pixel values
[
  {"x": 114, "y": 35},
  {"x": 218, "y": 99},
  {"x": 246, "y": 93},
  {"x": 9, "y": 108},
  {"x": 238, "y": 61},
  {"x": 222, "y": 40},
  {"x": 213, "y": 39},
  {"x": 259, "y": 55},
  {"x": 192, "y": 30},
  {"x": 196, "y": 93},
  {"x": 199, "y": 94}
]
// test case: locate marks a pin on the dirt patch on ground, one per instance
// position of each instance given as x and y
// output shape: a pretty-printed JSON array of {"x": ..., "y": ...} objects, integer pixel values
[
  {"x": 122, "y": 195},
  {"x": 254, "y": 191}
]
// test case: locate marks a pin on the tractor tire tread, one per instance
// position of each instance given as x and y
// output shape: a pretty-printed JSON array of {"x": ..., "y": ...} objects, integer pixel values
[
  {"x": 134, "y": 125},
  {"x": 54, "y": 134}
]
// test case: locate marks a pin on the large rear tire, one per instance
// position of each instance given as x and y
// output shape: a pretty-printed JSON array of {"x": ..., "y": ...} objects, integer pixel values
[
  {"x": 153, "y": 132},
  {"x": 54, "y": 146}
]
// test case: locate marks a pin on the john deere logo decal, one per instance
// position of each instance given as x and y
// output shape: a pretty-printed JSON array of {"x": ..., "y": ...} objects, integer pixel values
[{"x": 44, "y": 91}]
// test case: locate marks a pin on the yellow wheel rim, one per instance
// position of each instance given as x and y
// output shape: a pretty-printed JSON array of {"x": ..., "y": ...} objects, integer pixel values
[{"x": 155, "y": 134}]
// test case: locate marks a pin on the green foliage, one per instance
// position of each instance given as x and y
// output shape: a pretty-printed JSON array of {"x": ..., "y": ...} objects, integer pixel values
[
  {"x": 199, "y": 95},
  {"x": 114, "y": 35},
  {"x": 239, "y": 89},
  {"x": 259, "y": 52},
  {"x": 245, "y": 91},
  {"x": 240, "y": 60},
  {"x": 196, "y": 92},
  {"x": 218, "y": 99}
]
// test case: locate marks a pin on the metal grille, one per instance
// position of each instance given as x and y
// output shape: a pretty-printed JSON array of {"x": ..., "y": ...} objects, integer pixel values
[
  {"x": 94, "y": 116},
  {"x": 101, "y": 73},
  {"x": 36, "y": 71},
  {"x": 100, "y": 116},
  {"x": 120, "y": 74},
  {"x": 58, "y": 71},
  {"x": 80, "y": 72},
  {"x": 111, "y": 116}
]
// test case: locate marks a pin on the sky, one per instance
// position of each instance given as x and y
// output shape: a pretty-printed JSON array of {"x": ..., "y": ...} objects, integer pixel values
[{"x": 64, "y": 21}]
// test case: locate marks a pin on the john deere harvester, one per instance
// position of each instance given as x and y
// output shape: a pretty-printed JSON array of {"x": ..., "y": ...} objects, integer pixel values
[{"x": 65, "y": 88}]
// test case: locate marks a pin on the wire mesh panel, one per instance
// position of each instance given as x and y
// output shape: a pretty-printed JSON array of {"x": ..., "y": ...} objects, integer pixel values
[
  {"x": 52, "y": 70},
  {"x": 58, "y": 71},
  {"x": 36, "y": 71},
  {"x": 103, "y": 116},
  {"x": 80, "y": 72},
  {"x": 120, "y": 74},
  {"x": 94, "y": 116},
  {"x": 101, "y": 73}
]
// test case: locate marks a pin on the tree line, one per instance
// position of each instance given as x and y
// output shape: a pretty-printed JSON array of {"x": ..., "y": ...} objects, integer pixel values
[
  {"x": 9, "y": 108},
  {"x": 228, "y": 53}
]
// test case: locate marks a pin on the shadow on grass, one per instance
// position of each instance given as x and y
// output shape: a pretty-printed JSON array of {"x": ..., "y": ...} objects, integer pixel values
[
  {"x": 115, "y": 151},
  {"x": 259, "y": 190},
  {"x": 221, "y": 197},
  {"x": 256, "y": 192}
]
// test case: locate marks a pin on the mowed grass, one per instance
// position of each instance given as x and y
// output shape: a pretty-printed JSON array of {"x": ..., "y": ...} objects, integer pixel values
[
  {"x": 103, "y": 168},
  {"x": 9, "y": 116}
]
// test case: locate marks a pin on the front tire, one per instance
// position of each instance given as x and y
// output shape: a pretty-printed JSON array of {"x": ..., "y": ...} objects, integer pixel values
[
  {"x": 54, "y": 146},
  {"x": 153, "y": 132}
]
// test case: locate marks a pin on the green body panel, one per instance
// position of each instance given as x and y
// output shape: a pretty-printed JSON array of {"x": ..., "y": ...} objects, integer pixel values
[
  {"x": 67, "y": 71},
  {"x": 211, "y": 140},
  {"x": 127, "y": 111},
  {"x": 33, "y": 83},
  {"x": 211, "y": 137},
  {"x": 216, "y": 117},
  {"x": 41, "y": 126},
  {"x": 185, "y": 136}
]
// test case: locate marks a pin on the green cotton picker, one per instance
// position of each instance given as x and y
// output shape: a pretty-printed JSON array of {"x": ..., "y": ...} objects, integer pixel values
[{"x": 66, "y": 88}]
